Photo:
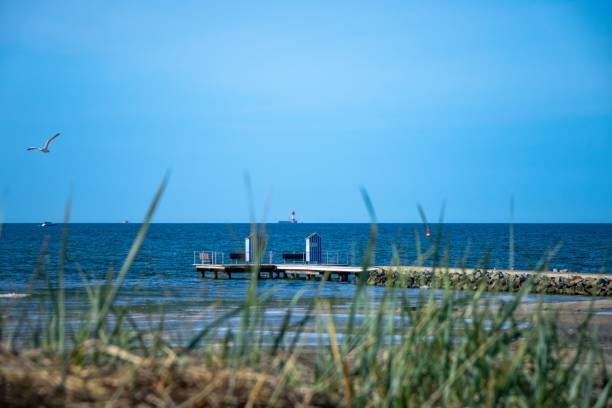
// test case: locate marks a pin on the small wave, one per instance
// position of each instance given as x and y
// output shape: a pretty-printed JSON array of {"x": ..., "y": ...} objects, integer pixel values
[
  {"x": 13, "y": 295},
  {"x": 604, "y": 313}
]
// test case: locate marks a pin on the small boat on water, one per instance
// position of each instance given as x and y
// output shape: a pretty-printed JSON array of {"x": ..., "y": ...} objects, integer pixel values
[
  {"x": 47, "y": 224},
  {"x": 292, "y": 219}
]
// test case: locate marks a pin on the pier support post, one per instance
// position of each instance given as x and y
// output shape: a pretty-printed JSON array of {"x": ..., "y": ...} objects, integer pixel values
[
  {"x": 216, "y": 274},
  {"x": 229, "y": 275}
]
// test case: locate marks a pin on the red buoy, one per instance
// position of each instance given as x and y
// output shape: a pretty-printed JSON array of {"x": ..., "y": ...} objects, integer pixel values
[{"x": 427, "y": 232}]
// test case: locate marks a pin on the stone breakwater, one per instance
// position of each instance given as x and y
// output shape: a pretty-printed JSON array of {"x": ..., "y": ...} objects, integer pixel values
[{"x": 558, "y": 283}]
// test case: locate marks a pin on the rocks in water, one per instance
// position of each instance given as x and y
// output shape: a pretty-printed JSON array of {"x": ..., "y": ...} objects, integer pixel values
[{"x": 493, "y": 279}]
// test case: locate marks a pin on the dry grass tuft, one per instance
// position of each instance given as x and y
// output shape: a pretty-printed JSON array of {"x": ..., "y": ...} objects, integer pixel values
[{"x": 32, "y": 379}]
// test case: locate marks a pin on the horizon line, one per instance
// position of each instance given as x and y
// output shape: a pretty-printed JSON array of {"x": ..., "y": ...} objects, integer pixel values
[{"x": 324, "y": 222}]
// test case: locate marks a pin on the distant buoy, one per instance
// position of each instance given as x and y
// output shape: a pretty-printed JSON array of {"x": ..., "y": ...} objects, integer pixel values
[{"x": 427, "y": 232}]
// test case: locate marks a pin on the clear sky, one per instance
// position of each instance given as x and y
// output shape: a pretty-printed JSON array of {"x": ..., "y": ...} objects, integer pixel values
[{"x": 417, "y": 102}]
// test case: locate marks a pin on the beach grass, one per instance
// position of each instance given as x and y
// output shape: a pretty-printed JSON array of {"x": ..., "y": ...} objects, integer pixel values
[{"x": 460, "y": 349}]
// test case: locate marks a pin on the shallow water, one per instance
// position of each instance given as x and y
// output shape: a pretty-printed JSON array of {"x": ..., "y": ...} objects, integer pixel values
[
  {"x": 184, "y": 313},
  {"x": 604, "y": 313}
]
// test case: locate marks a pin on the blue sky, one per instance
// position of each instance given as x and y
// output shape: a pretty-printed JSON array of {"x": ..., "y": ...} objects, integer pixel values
[{"x": 417, "y": 102}]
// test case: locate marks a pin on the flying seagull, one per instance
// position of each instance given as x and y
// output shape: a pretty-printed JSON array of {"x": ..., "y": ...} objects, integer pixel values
[{"x": 45, "y": 148}]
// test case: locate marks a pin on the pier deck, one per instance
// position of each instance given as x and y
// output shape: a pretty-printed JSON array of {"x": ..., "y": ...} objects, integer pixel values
[{"x": 287, "y": 270}]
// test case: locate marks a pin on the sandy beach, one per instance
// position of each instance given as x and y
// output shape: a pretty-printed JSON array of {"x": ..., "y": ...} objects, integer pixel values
[{"x": 570, "y": 315}]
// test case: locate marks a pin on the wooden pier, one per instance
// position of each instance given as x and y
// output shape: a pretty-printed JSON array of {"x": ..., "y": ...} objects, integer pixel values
[{"x": 281, "y": 271}]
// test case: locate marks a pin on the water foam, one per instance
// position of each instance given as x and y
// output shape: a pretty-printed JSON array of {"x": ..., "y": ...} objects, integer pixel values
[{"x": 13, "y": 295}]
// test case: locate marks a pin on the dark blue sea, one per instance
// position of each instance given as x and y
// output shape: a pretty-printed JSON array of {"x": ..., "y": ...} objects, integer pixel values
[{"x": 163, "y": 276}]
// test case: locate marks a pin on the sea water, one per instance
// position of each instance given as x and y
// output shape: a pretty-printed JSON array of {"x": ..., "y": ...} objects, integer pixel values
[{"x": 163, "y": 284}]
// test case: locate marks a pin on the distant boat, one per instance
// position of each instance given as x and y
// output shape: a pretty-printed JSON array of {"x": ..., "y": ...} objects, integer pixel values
[
  {"x": 47, "y": 224},
  {"x": 292, "y": 219},
  {"x": 126, "y": 222}
]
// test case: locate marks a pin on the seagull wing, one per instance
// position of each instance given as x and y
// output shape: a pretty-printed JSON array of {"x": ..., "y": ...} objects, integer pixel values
[
  {"x": 32, "y": 148},
  {"x": 50, "y": 140}
]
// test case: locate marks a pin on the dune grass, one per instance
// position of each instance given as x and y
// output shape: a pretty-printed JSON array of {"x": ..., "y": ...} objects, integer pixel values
[{"x": 457, "y": 350}]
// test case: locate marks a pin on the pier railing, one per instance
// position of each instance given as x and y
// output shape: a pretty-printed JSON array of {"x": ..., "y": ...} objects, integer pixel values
[
  {"x": 208, "y": 257},
  {"x": 327, "y": 258}
]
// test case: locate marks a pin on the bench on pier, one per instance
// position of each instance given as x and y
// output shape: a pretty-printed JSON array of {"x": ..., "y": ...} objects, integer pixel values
[
  {"x": 237, "y": 256},
  {"x": 293, "y": 256}
]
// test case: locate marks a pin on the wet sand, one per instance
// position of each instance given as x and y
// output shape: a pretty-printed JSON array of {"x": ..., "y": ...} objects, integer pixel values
[{"x": 570, "y": 315}]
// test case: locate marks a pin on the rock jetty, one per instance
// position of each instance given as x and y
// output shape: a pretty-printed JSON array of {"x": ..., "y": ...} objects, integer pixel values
[{"x": 558, "y": 283}]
